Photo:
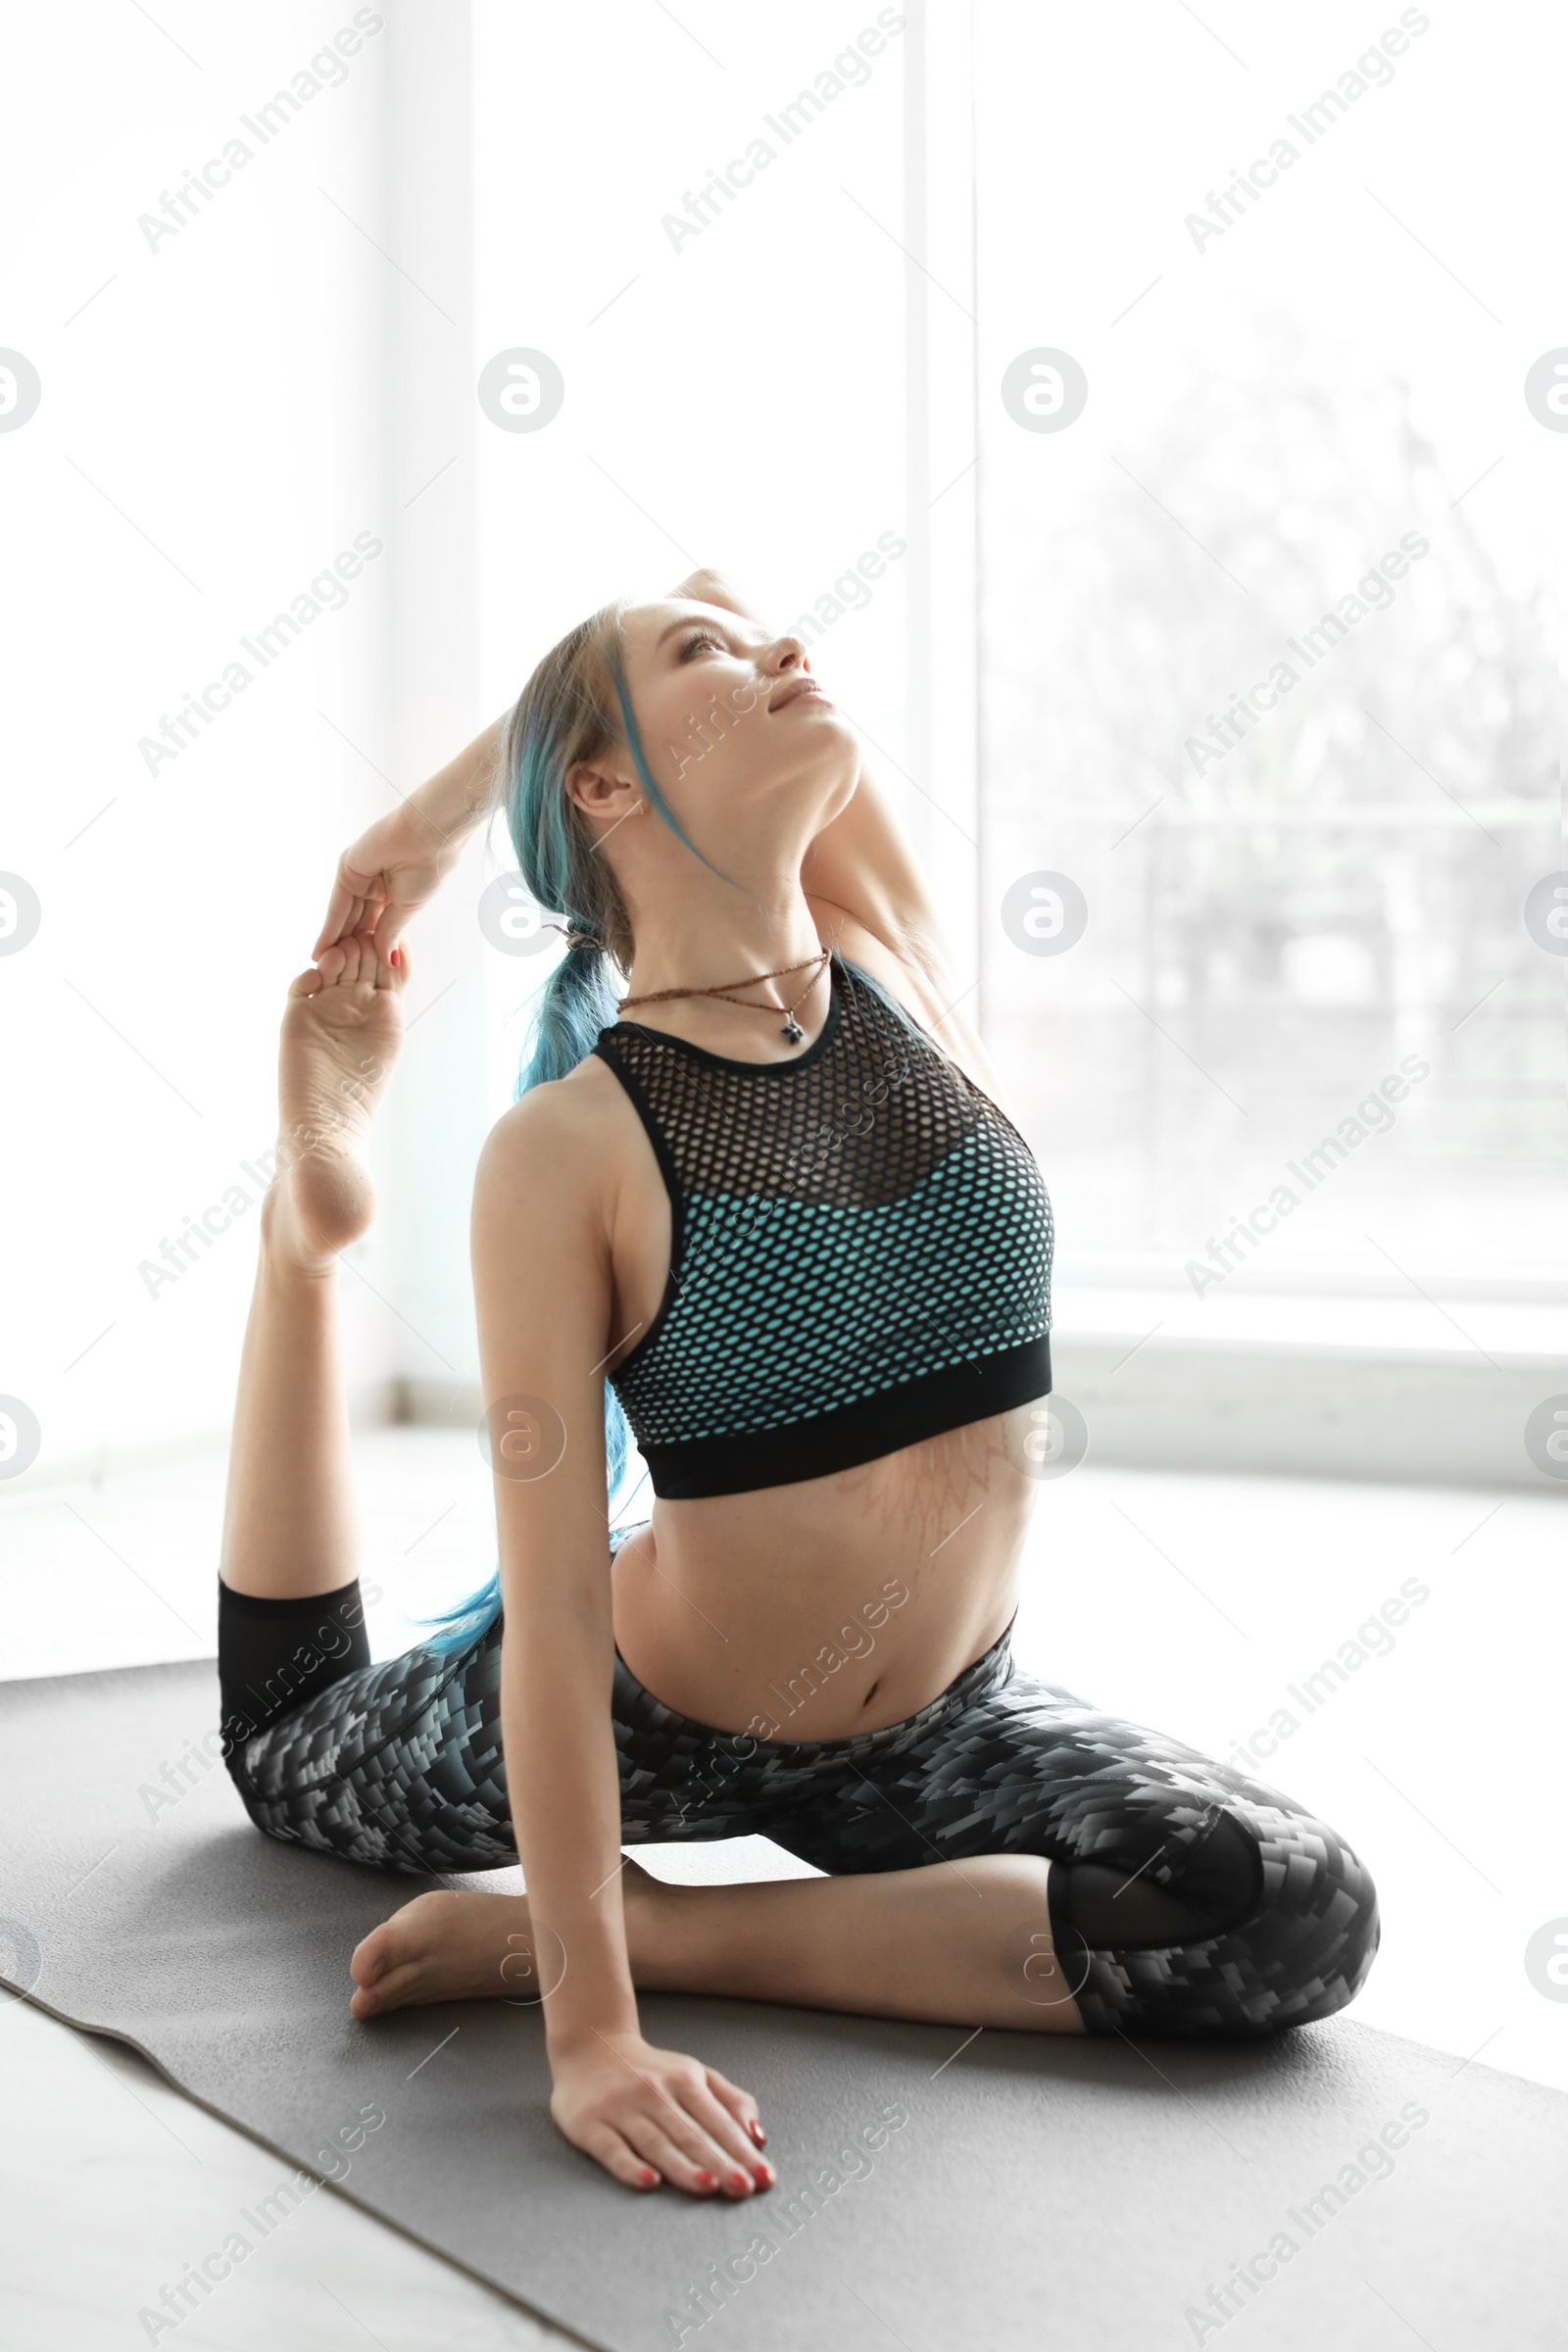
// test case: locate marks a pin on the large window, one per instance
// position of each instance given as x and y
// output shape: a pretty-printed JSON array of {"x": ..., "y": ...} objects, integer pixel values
[
  {"x": 783, "y": 267},
  {"x": 1268, "y": 672}
]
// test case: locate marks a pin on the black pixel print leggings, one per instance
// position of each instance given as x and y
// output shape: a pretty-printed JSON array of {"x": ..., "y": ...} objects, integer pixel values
[{"x": 1186, "y": 1900}]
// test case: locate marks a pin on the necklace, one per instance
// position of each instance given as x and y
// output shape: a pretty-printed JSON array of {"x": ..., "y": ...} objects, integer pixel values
[{"x": 791, "y": 1032}]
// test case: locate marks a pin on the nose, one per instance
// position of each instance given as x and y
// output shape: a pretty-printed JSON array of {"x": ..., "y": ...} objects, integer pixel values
[{"x": 787, "y": 653}]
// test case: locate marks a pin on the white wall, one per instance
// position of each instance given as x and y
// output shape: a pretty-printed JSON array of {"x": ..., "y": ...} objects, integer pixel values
[
  {"x": 211, "y": 433},
  {"x": 225, "y": 406}
]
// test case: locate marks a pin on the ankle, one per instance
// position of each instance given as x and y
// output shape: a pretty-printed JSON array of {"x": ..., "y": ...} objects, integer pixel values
[
  {"x": 661, "y": 1926},
  {"x": 285, "y": 1254}
]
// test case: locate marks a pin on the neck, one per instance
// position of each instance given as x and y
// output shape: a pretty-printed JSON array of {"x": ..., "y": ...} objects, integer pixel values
[{"x": 725, "y": 939}]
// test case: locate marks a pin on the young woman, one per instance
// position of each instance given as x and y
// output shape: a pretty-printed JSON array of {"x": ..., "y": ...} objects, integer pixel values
[{"x": 770, "y": 1196}]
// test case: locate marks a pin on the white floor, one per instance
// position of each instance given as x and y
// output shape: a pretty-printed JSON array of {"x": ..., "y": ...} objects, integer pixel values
[
  {"x": 1193, "y": 1603},
  {"x": 112, "y": 2182}
]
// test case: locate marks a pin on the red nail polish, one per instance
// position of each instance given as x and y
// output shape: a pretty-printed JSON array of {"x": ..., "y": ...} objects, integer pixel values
[
  {"x": 739, "y": 2180},
  {"x": 648, "y": 2178},
  {"x": 766, "y": 2176},
  {"x": 757, "y": 2132},
  {"x": 706, "y": 2180}
]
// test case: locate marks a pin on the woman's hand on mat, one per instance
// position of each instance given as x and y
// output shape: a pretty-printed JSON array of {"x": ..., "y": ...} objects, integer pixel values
[{"x": 649, "y": 2115}]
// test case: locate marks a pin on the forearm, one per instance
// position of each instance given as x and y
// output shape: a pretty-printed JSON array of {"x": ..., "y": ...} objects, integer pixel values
[
  {"x": 460, "y": 795},
  {"x": 862, "y": 863},
  {"x": 556, "y": 1668},
  {"x": 861, "y": 866}
]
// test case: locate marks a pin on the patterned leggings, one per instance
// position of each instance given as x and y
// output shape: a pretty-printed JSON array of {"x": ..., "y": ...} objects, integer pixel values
[{"x": 1185, "y": 1899}]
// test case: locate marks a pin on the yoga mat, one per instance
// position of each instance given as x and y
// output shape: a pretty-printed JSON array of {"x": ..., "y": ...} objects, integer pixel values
[{"x": 1009, "y": 2191}]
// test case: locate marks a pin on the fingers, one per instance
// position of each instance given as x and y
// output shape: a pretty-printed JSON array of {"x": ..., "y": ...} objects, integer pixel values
[
  {"x": 663, "y": 2115},
  {"x": 739, "y": 2103},
  {"x": 621, "y": 2161},
  {"x": 345, "y": 910},
  {"x": 390, "y": 913},
  {"x": 354, "y": 893},
  {"x": 656, "y": 2132},
  {"x": 389, "y": 921},
  {"x": 701, "y": 2146},
  {"x": 728, "y": 2135},
  {"x": 337, "y": 906},
  {"x": 685, "y": 2156}
]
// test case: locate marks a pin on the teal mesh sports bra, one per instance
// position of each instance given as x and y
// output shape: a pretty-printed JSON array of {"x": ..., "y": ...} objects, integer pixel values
[{"x": 861, "y": 1251}]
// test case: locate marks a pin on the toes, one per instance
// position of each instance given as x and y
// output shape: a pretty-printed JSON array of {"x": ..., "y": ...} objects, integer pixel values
[
  {"x": 369, "y": 1957},
  {"x": 384, "y": 1946},
  {"x": 399, "y": 1940},
  {"x": 390, "y": 1990}
]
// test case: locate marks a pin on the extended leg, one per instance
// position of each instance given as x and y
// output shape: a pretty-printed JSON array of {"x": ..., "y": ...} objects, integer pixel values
[
  {"x": 290, "y": 1619},
  {"x": 290, "y": 1523},
  {"x": 290, "y": 1527}
]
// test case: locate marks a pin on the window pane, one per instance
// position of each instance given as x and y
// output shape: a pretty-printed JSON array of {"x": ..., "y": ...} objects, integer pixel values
[{"x": 1266, "y": 640}]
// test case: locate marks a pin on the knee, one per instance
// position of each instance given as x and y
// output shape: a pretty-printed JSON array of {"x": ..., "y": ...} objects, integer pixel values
[
  {"x": 1219, "y": 1874},
  {"x": 1305, "y": 1949},
  {"x": 1264, "y": 1918},
  {"x": 1191, "y": 1871}
]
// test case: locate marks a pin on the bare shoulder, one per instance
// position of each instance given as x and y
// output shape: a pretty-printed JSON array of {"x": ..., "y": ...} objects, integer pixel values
[
  {"x": 544, "y": 1213},
  {"x": 559, "y": 1140},
  {"x": 920, "y": 980}
]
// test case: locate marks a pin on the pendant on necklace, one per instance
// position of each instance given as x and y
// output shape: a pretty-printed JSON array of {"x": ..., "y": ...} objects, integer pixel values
[{"x": 791, "y": 1032}]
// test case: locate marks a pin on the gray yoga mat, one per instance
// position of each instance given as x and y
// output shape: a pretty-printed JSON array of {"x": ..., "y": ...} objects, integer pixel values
[{"x": 1009, "y": 2191}]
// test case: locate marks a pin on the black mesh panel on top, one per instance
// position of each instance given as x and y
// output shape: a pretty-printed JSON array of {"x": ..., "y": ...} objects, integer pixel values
[{"x": 861, "y": 1247}]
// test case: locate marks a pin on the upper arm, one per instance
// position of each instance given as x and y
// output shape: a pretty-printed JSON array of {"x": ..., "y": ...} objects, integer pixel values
[
  {"x": 860, "y": 872},
  {"x": 860, "y": 877},
  {"x": 542, "y": 1298},
  {"x": 862, "y": 863},
  {"x": 924, "y": 994}
]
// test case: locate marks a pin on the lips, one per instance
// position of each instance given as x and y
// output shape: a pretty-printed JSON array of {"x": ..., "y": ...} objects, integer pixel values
[{"x": 793, "y": 691}]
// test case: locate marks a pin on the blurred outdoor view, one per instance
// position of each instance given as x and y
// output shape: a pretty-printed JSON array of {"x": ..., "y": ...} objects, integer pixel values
[{"x": 1329, "y": 891}]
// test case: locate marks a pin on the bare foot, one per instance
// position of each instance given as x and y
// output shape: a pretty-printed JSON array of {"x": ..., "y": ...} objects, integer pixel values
[
  {"x": 456, "y": 1946},
  {"x": 342, "y": 1035}
]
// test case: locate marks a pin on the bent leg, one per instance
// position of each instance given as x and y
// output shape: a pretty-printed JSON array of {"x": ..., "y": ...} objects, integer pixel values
[
  {"x": 1017, "y": 1861},
  {"x": 397, "y": 1765},
  {"x": 963, "y": 1943},
  {"x": 1186, "y": 1899}
]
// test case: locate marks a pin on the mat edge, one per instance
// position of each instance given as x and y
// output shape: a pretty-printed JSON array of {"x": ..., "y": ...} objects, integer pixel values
[{"x": 534, "y": 2311}]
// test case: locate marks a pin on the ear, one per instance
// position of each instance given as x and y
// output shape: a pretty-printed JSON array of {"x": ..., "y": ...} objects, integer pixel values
[{"x": 598, "y": 790}]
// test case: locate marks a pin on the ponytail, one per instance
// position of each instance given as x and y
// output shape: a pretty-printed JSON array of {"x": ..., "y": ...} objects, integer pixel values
[{"x": 573, "y": 706}]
